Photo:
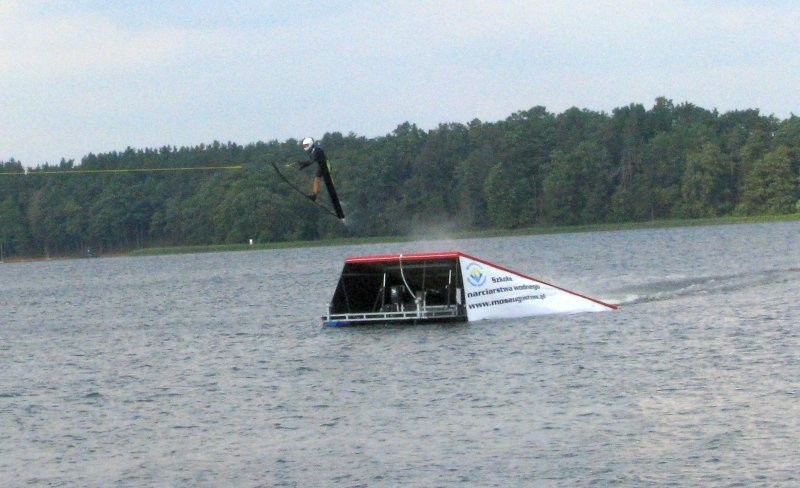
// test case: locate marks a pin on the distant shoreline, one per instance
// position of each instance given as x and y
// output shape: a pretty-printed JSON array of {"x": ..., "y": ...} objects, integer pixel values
[{"x": 537, "y": 230}]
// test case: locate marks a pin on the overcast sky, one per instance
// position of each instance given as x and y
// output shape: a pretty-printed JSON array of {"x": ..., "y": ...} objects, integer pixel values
[{"x": 92, "y": 76}]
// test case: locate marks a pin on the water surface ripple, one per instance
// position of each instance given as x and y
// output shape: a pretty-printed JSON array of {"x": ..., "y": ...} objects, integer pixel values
[{"x": 213, "y": 369}]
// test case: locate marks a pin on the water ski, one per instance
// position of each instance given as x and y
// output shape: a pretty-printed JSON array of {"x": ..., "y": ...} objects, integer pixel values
[
  {"x": 337, "y": 212},
  {"x": 326, "y": 177}
]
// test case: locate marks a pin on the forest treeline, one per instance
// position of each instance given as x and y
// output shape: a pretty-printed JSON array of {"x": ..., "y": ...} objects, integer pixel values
[{"x": 533, "y": 168}]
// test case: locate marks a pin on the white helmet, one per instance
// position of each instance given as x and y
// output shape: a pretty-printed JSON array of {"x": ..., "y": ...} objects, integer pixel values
[{"x": 307, "y": 143}]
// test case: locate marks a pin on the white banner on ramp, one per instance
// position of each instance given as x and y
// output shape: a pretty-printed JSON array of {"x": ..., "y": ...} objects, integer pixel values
[{"x": 493, "y": 292}]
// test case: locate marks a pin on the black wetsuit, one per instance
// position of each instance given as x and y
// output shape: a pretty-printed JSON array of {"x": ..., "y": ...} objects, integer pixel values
[{"x": 317, "y": 155}]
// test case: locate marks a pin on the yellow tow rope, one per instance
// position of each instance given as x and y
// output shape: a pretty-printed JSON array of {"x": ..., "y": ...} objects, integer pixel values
[{"x": 130, "y": 170}]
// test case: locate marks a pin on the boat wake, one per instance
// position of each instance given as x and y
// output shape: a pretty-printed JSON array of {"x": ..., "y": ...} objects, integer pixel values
[{"x": 702, "y": 285}]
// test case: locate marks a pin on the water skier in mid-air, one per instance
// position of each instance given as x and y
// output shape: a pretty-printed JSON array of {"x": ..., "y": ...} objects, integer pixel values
[{"x": 317, "y": 155}]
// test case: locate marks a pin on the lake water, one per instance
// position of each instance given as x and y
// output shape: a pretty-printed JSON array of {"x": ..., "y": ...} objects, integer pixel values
[{"x": 214, "y": 369}]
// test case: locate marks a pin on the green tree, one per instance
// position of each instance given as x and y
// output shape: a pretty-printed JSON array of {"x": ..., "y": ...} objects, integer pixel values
[
  {"x": 429, "y": 191},
  {"x": 510, "y": 196},
  {"x": 576, "y": 126},
  {"x": 13, "y": 233},
  {"x": 532, "y": 167},
  {"x": 788, "y": 135},
  {"x": 577, "y": 186},
  {"x": 13, "y": 197},
  {"x": 527, "y": 138},
  {"x": 471, "y": 177},
  {"x": 771, "y": 187},
  {"x": 47, "y": 215},
  {"x": 704, "y": 186}
]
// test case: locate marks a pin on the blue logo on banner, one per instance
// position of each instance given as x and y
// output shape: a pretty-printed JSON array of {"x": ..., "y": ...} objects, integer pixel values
[{"x": 475, "y": 274}]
